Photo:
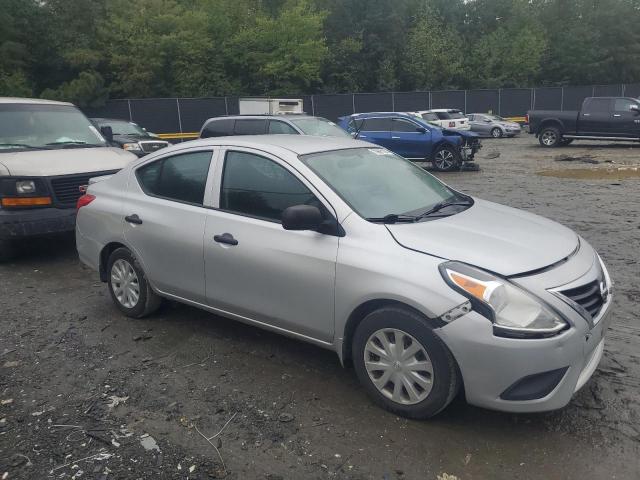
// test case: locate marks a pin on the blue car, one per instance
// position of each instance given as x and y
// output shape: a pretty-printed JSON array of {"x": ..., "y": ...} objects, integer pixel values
[{"x": 413, "y": 138}]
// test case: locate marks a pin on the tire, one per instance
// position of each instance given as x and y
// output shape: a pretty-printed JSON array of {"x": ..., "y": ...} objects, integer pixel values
[
  {"x": 550, "y": 137},
  {"x": 8, "y": 250},
  {"x": 446, "y": 159},
  {"x": 496, "y": 132},
  {"x": 426, "y": 399},
  {"x": 120, "y": 268}
]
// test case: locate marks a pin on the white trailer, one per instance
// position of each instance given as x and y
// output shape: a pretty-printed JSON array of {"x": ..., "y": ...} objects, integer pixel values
[{"x": 270, "y": 106}]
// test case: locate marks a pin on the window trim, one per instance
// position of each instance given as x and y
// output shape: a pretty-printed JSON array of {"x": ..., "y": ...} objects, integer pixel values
[
  {"x": 212, "y": 167},
  {"x": 216, "y": 190},
  {"x": 405, "y": 120}
]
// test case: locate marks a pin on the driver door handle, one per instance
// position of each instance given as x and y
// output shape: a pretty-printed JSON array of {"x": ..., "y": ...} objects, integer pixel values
[
  {"x": 395, "y": 137},
  {"x": 135, "y": 219},
  {"x": 226, "y": 238}
]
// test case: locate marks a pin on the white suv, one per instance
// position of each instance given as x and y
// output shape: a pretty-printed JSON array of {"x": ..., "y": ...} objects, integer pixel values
[{"x": 445, "y": 118}]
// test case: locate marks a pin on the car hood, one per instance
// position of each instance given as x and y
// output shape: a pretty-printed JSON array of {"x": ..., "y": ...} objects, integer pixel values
[
  {"x": 64, "y": 161},
  {"x": 490, "y": 236},
  {"x": 462, "y": 133}
]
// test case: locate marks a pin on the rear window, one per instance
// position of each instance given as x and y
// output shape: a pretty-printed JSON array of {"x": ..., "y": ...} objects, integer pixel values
[
  {"x": 377, "y": 125},
  {"x": 218, "y": 128},
  {"x": 251, "y": 127},
  {"x": 429, "y": 117},
  {"x": 449, "y": 115},
  {"x": 597, "y": 104}
]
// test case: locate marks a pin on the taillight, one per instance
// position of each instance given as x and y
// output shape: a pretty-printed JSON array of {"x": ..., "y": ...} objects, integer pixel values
[{"x": 85, "y": 200}]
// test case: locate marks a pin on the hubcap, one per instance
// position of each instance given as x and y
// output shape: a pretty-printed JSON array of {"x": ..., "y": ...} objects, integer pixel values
[
  {"x": 444, "y": 159},
  {"x": 496, "y": 132},
  {"x": 548, "y": 138},
  {"x": 399, "y": 366},
  {"x": 124, "y": 282}
]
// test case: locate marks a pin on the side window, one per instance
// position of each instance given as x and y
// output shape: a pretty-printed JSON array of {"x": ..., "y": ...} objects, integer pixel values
[
  {"x": 429, "y": 117},
  {"x": 355, "y": 125},
  {"x": 597, "y": 105},
  {"x": 218, "y": 128},
  {"x": 258, "y": 187},
  {"x": 278, "y": 127},
  {"x": 377, "y": 125},
  {"x": 623, "y": 105},
  {"x": 182, "y": 177},
  {"x": 250, "y": 127},
  {"x": 400, "y": 125}
]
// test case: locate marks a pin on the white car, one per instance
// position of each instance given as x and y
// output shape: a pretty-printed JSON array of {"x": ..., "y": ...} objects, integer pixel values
[{"x": 445, "y": 118}]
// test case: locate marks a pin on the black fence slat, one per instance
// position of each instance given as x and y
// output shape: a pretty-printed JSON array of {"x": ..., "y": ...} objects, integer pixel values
[
  {"x": 572, "y": 97},
  {"x": 515, "y": 102},
  {"x": 448, "y": 99},
  {"x": 632, "y": 90},
  {"x": 547, "y": 98},
  {"x": 483, "y": 101},
  {"x": 333, "y": 106},
  {"x": 158, "y": 115},
  {"x": 410, "y": 101},
  {"x": 373, "y": 102},
  {"x": 607, "y": 91},
  {"x": 195, "y": 111},
  {"x": 112, "y": 109}
]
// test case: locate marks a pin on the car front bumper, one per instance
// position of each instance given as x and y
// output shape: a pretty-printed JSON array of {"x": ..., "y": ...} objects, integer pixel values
[
  {"x": 16, "y": 224},
  {"x": 492, "y": 367}
]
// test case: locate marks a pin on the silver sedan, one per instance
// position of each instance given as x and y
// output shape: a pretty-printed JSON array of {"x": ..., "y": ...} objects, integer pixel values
[
  {"x": 337, "y": 242},
  {"x": 493, "y": 125}
]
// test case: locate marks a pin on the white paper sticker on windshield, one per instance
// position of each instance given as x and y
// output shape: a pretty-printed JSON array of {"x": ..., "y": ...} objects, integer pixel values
[
  {"x": 95, "y": 131},
  {"x": 380, "y": 151}
]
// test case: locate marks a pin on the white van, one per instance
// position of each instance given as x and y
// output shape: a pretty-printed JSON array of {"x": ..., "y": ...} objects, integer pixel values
[{"x": 48, "y": 152}]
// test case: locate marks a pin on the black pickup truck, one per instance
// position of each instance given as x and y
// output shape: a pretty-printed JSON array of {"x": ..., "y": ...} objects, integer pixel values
[{"x": 601, "y": 118}]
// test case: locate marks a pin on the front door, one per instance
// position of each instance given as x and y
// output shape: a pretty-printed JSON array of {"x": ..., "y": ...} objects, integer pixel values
[
  {"x": 164, "y": 221},
  {"x": 595, "y": 117},
  {"x": 625, "y": 120},
  {"x": 256, "y": 269},
  {"x": 407, "y": 141},
  {"x": 377, "y": 130}
]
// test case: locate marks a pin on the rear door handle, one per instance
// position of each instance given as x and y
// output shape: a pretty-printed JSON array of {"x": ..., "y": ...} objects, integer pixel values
[
  {"x": 135, "y": 219},
  {"x": 586, "y": 114},
  {"x": 362, "y": 136},
  {"x": 225, "y": 238},
  {"x": 617, "y": 115}
]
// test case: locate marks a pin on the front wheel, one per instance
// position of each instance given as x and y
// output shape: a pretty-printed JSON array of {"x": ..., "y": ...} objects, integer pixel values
[
  {"x": 403, "y": 365},
  {"x": 446, "y": 159},
  {"x": 128, "y": 285},
  {"x": 550, "y": 137},
  {"x": 496, "y": 132}
]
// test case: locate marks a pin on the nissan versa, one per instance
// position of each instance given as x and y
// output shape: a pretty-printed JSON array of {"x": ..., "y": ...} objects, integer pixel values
[{"x": 341, "y": 243}]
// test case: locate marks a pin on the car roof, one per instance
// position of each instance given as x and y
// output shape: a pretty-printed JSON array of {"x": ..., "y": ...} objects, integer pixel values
[
  {"x": 382, "y": 114},
  {"x": 298, "y": 144},
  {"x": 447, "y": 110},
  {"x": 267, "y": 116},
  {"x": 32, "y": 101}
]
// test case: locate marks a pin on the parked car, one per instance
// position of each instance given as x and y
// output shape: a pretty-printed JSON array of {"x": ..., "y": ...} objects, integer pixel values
[
  {"x": 129, "y": 136},
  {"x": 48, "y": 152},
  {"x": 493, "y": 125},
  {"x": 348, "y": 246},
  {"x": 600, "y": 118},
  {"x": 444, "y": 117},
  {"x": 270, "y": 124},
  {"x": 413, "y": 138}
]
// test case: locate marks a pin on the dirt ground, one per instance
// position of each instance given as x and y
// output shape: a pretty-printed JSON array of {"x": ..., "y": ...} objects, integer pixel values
[{"x": 87, "y": 393}]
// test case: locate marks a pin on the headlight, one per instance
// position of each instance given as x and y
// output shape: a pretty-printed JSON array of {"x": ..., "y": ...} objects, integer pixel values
[
  {"x": 25, "y": 187},
  {"x": 513, "y": 311},
  {"x": 131, "y": 146}
]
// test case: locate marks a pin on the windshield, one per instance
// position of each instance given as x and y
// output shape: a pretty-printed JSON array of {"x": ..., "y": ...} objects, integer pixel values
[
  {"x": 123, "y": 128},
  {"x": 450, "y": 115},
  {"x": 319, "y": 127},
  {"x": 376, "y": 183},
  {"x": 41, "y": 126},
  {"x": 430, "y": 117}
]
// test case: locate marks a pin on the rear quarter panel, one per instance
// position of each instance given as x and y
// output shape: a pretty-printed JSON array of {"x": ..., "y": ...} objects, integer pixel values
[
  {"x": 100, "y": 222},
  {"x": 565, "y": 120}
]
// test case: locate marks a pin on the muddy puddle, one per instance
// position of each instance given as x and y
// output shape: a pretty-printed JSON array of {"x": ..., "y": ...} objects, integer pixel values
[{"x": 618, "y": 173}]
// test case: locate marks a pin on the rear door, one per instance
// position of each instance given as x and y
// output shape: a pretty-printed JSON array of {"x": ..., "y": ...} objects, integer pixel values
[
  {"x": 377, "y": 130},
  {"x": 407, "y": 141},
  {"x": 480, "y": 124},
  {"x": 164, "y": 220},
  {"x": 595, "y": 117},
  {"x": 625, "y": 120}
]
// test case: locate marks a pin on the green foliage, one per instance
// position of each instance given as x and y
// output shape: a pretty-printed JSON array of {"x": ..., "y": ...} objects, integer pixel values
[{"x": 89, "y": 50}]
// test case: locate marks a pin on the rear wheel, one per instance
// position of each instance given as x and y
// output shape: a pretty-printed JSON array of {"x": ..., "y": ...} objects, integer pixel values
[
  {"x": 403, "y": 364},
  {"x": 8, "y": 250},
  {"x": 496, "y": 132},
  {"x": 446, "y": 159},
  {"x": 550, "y": 137},
  {"x": 128, "y": 285}
]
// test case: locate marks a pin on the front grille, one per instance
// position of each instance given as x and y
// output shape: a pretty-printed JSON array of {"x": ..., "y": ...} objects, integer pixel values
[
  {"x": 588, "y": 296},
  {"x": 66, "y": 189},
  {"x": 149, "y": 147}
]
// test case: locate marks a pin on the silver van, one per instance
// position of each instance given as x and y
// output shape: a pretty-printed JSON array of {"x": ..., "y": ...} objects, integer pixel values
[
  {"x": 425, "y": 290},
  {"x": 48, "y": 152}
]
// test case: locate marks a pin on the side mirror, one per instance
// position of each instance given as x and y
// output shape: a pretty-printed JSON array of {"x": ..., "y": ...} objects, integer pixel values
[
  {"x": 107, "y": 133},
  {"x": 301, "y": 217},
  {"x": 421, "y": 129},
  {"x": 354, "y": 134},
  {"x": 635, "y": 109}
]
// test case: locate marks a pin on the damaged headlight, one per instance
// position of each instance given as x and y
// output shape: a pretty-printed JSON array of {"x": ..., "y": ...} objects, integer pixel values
[{"x": 513, "y": 311}]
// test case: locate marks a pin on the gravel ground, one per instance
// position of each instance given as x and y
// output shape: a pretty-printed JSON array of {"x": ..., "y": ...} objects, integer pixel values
[{"x": 87, "y": 393}]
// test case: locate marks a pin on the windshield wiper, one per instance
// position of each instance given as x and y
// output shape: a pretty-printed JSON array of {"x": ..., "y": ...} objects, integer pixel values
[
  {"x": 19, "y": 145},
  {"x": 393, "y": 218},
  {"x": 73, "y": 143},
  {"x": 441, "y": 205}
]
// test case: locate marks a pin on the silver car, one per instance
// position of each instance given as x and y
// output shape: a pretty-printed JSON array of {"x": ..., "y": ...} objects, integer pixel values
[
  {"x": 493, "y": 125},
  {"x": 341, "y": 243}
]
